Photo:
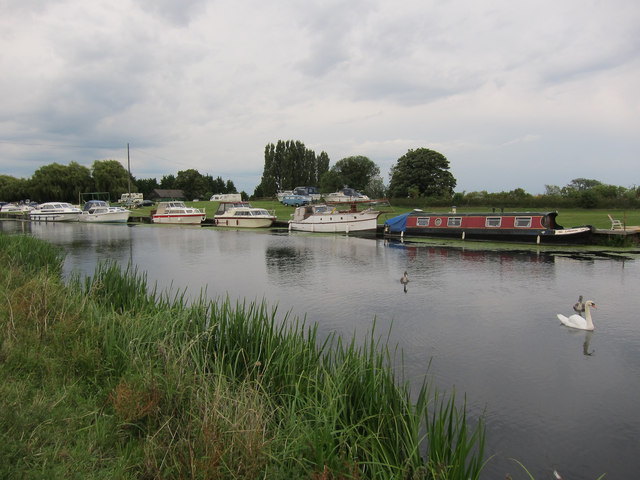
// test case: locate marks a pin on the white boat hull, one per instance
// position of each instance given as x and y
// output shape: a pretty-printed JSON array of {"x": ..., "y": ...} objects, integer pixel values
[
  {"x": 337, "y": 223},
  {"x": 237, "y": 222},
  {"x": 181, "y": 219},
  {"x": 54, "y": 217},
  {"x": 108, "y": 217}
]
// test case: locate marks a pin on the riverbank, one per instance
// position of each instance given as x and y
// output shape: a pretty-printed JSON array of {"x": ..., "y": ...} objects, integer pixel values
[{"x": 108, "y": 378}]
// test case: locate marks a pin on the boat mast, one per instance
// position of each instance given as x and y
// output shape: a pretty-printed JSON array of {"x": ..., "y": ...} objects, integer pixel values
[{"x": 129, "y": 171}]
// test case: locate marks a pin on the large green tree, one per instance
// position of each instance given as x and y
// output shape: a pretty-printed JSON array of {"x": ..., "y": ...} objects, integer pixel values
[
  {"x": 13, "y": 189},
  {"x": 192, "y": 183},
  {"x": 110, "y": 176},
  {"x": 355, "y": 172},
  {"x": 55, "y": 182},
  {"x": 421, "y": 172}
]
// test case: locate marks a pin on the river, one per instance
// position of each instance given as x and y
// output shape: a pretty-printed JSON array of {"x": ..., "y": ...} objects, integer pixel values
[{"x": 475, "y": 318}]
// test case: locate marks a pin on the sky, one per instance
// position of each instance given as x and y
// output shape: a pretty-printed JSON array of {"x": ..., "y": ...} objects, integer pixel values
[{"x": 516, "y": 94}]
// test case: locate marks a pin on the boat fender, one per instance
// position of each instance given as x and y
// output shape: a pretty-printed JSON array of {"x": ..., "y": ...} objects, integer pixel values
[{"x": 463, "y": 235}]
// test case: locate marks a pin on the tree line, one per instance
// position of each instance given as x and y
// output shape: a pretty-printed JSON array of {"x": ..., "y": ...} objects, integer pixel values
[
  {"x": 288, "y": 164},
  {"x": 420, "y": 176},
  {"x": 65, "y": 183}
]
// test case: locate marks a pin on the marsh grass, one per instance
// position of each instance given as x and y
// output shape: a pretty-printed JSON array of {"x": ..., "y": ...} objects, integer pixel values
[{"x": 106, "y": 377}]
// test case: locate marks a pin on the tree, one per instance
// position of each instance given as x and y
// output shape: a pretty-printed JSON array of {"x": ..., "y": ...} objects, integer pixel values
[
  {"x": 289, "y": 164},
  {"x": 146, "y": 186},
  {"x": 13, "y": 189},
  {"x": 355, "y": 172},
  {"x": 582, "y": 184},
  {"x": 423, "y": 171},
  {"x": 110, "y": 176},
  {"x": 192, "y": 183},
  {"x": 168, "y": 182},
  {"x": 59, "y": 183}
]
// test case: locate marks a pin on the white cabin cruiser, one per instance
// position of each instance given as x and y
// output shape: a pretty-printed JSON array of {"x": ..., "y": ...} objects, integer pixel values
[
  {"x": 328, "y": 219},
  {"x": 176, "y": 212},
  {"x": 99, "y": 211},
  {"x": 55, "y": 212},
  {"x": 242, "y": 215}
]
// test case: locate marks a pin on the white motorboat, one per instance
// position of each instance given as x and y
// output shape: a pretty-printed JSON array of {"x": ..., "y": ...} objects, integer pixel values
[
  {"x": 55, "y": 212},
  {"x": 346, "y": 195},
  {"x": 176, "y": 212},
  {"x": 242, "y": 215},
  {"x": 16, "y": 209},
  {"x": 328, "y": 219},
  {"x": 99, "y": 211}
]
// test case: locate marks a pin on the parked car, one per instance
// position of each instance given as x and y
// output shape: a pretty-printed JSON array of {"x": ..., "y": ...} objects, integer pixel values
[
  {"x": 146, "y": 203},
  {"x": 296, "y": 200}
]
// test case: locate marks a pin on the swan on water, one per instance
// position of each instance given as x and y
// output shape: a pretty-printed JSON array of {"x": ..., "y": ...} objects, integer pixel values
[
  {"x": 576, "y": 321},
  {"x": 579, "y": 306}
]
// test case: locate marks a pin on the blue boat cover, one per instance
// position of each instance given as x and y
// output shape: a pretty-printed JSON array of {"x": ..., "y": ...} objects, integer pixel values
[{"x": 397, "y": 224}]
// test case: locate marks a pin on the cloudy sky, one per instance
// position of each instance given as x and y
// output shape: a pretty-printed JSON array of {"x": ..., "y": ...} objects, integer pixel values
[{"x": 514, "y": 93}]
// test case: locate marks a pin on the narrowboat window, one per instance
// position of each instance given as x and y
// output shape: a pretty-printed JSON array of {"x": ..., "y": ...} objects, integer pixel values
[
  {"x": 454, "y": 221},
  {"x": 422, "y": 221},
  {"x": 493, "y": 221},
  {"x": 523, "y": 222},
  {"x": 438, "y": 222}
]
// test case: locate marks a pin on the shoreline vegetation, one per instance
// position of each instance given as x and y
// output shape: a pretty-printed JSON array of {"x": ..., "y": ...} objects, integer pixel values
[{"x": 106, "y": 377}]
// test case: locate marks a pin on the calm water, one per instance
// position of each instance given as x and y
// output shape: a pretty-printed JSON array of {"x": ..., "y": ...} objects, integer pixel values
[{"x": 485, "y": 322}]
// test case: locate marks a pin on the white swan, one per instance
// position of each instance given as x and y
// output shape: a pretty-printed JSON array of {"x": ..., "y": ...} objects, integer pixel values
[{"x": 576, "y": 321}]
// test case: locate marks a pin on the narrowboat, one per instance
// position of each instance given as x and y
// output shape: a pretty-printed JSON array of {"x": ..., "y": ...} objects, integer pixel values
[{"x": 534, "y": 227}]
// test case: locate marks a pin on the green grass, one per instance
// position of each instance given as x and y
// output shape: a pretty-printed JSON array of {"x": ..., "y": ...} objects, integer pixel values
[{"x": 108, "y": 378}]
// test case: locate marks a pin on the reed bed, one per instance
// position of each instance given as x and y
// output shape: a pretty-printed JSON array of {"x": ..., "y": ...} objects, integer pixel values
[{"x": 129, "y": 382}]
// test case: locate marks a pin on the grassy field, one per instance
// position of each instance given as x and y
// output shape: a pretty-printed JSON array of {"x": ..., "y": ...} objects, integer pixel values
[
  {"x": 105, "y": 378},
  {"x": 566, "y": 217}
]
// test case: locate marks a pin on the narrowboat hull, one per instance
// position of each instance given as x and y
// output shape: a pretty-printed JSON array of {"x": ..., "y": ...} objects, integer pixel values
[{"x": 529, "y": 227}]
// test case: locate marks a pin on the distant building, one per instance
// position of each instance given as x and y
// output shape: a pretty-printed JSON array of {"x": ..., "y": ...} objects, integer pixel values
[{"x": 160, "y": 195}]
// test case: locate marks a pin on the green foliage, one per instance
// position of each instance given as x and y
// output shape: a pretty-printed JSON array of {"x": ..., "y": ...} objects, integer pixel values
[
  {"x": 192, "y": 183},
  {"x": 110, "y": 176},
  {"x": 421, "y": 172},
  {"x": 289, "y": 164},
  {"x": 13, "y": 189},
  {"x": 61, "y": 183},
  {"x": 355, "y": 172},
  {"x": 146, "y": 186}
]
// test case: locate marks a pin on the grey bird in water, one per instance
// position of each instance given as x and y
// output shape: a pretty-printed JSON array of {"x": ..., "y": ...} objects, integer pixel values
[
  {"x": 404, "y": 281},
  {"x": 579, "y": 306}
]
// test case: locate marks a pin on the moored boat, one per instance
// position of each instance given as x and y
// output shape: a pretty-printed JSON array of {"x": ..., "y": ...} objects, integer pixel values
[
  {"x": 99, "y": 211},
  {"x": 176, "y": 212},
  {"x": 328, "y": 219},
  {"x": 501, "y": 226},
  {"x": 346, "y": 195},
  {"x": 55, "y": 212},
  {"x": 242, "y": 215}
]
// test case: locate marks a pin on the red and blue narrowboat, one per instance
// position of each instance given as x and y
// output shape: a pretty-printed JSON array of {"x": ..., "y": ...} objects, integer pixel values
[{"x": 531, "y": 227}]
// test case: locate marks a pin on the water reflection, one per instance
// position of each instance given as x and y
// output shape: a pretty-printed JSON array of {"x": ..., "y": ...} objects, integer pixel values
[{"x": 587, "y": 342}]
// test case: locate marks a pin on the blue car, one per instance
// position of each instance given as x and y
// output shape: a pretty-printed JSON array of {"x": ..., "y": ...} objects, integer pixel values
[{"x": 296, "y": 200}]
